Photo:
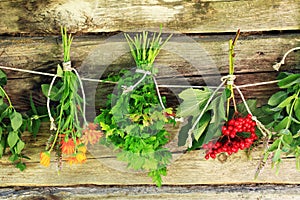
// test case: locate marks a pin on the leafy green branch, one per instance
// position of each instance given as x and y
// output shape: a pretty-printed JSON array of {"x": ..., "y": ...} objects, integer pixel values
[{"x": 11, "y": 123}]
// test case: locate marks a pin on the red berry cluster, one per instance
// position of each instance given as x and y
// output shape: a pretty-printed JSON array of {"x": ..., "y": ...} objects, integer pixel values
[{"x": 231, "y": 141}]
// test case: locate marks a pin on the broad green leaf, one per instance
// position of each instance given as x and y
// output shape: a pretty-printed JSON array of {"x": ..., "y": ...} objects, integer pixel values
[
  {"x": 16, "y": 120},
  {"x": 13, "y": 158},
  {"x": 19, "y": 147},
  {"x": 12, "y": 138},
  {"x": 297, "y": 108},
  {"x": 289, "y": 81},
  {"x": 282, "y": 124},
  {"x": 288, "y": 138},
  {"x": 286, "y": 102},
  {"x": 218, "y": 109},
  {"x": 251, "y": 104},
  {"x": 277, "y": 98},
  {"x": 183, "y": 132},
  {"x": 274, "y": 145},
  {"x": 3, "y": 78},
  {"x": 203, "y": 123},
  {"x": 192, "y": 101}
]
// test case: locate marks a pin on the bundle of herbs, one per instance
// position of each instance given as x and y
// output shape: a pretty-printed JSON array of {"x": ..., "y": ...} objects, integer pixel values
[
  {"x": 135, "y": 116},
  {"x": 71, "y": 135}
]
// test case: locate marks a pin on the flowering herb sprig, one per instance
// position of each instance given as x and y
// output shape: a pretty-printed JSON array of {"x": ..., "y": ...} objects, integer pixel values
[{"x": 69, "y": 138}]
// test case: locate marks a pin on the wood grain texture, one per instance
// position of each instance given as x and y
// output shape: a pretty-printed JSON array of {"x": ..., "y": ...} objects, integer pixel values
[
  {"x": 188, "y": 16},
  {"x": 194, "y": 60},
  {"x": 241, "y": 192},
  {"x": 102, "y": 168}
]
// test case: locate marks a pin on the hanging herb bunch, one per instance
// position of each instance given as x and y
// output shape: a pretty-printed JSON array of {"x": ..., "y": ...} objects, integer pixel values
[
  {"x": 213, "y": 127},
  {"x": 71, "y": 136},
  {"x": 282, "y": 117},
  {"x": 10, "y": 128},
  {"x": 135, "y": 116}
]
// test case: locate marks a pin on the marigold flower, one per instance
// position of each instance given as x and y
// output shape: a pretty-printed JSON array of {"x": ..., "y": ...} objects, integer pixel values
[
  {"x": 72, "y": 160},
  {"x": 80, "y": 157},
  {"x": 45, "y": 158},
  {"x": 67, "y": 147},
  {"x": 82, "y": 148},
  {"x": 91, "y": 135}
]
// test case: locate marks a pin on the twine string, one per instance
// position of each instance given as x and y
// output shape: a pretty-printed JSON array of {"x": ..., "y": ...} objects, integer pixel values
[
  {"x": 278, "y": 65},
  {"x": 52, "y": 123},
  {"x": 189, "y": 140}
]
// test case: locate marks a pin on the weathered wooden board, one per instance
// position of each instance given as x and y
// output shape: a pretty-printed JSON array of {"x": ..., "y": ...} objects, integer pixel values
[
  {"x": 102, "y": 168},
  {"x": 241, "y": 192},
  {"x": 188, "y": 16},
  {"x": 187, "y": 60}
]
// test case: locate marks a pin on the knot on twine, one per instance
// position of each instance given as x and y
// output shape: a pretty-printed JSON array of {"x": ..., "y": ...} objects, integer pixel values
[
  {"x": 52, "y": 125},
  {"x": 143, "y": 71},
  {"x": 127, "y": 89},
  {"x": 229, "y": 78},
  {"x": 67, "y": 66}
]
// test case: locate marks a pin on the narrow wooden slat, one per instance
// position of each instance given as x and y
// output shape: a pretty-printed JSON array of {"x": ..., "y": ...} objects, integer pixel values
[
  {"x": 102, "y": 168},
  {"x": 191, "y": 57},
  {"x": 287, "y": 192},
  {"x": 45, "y": 17}
]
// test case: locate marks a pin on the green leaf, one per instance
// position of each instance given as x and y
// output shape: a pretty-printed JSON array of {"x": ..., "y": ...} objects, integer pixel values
[
  {"x": 12, "y": 138},
  {"x": 218, "y": 108},
  {"x": 289, "y": 81},
  {"x": 2, "y": 147},
  {"x": 274, "y": 145},
  {"x": 54, "y": 94},
  {"x": 59, "y": 71},
  {"x": 183, "y": 132},
  {"x": 16, "y": 120},
  {"x": 277, "y": 98},
  {"x": 192, "y": 101},
  {"x": 1, "y": 131},
  {"x": 21, "y": 166},
  {"x": 3, "y": 78},
  {"x": 288, "y": 138},
  {"x": 251, "y": 104},
  {"x": 277, "y": 155},
  {"x": 297, "y": 108},
  {"x": 13, "y": 158},
  {"x": 203, "y": 123},
  {"x": 20, "y": 146},
  {"x": 282, "y": 125},
  {"x": 286, "y": 102}
]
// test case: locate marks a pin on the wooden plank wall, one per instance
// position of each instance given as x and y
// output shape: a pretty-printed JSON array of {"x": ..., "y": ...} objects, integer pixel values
[{"x": 29, "y": 39}]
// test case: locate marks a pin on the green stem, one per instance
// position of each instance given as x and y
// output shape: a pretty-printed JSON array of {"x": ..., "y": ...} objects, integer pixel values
[
  {"x": 291, "y": 110},
  {"x": 6, "y": 96},
  {"x": 58, "y": 127}
]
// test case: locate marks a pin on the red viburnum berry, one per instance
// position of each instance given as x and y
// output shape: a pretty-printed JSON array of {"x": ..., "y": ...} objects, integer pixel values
[{"x": 233, "y": 139}]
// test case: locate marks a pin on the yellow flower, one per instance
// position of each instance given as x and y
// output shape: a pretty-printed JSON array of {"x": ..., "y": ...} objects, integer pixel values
[
  {"x": 80, "y": 157},
  {"x": 82, "y": 148},
  {"x": 45, "y": 158}
]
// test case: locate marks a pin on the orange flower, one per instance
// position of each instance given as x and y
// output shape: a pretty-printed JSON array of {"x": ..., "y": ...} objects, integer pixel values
[
  {"x": 91, "y": 135},
  {"x": 67, "y": 147},
  {"x": 45, "y": 158},
  {"x": 72, "y": 160}
]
